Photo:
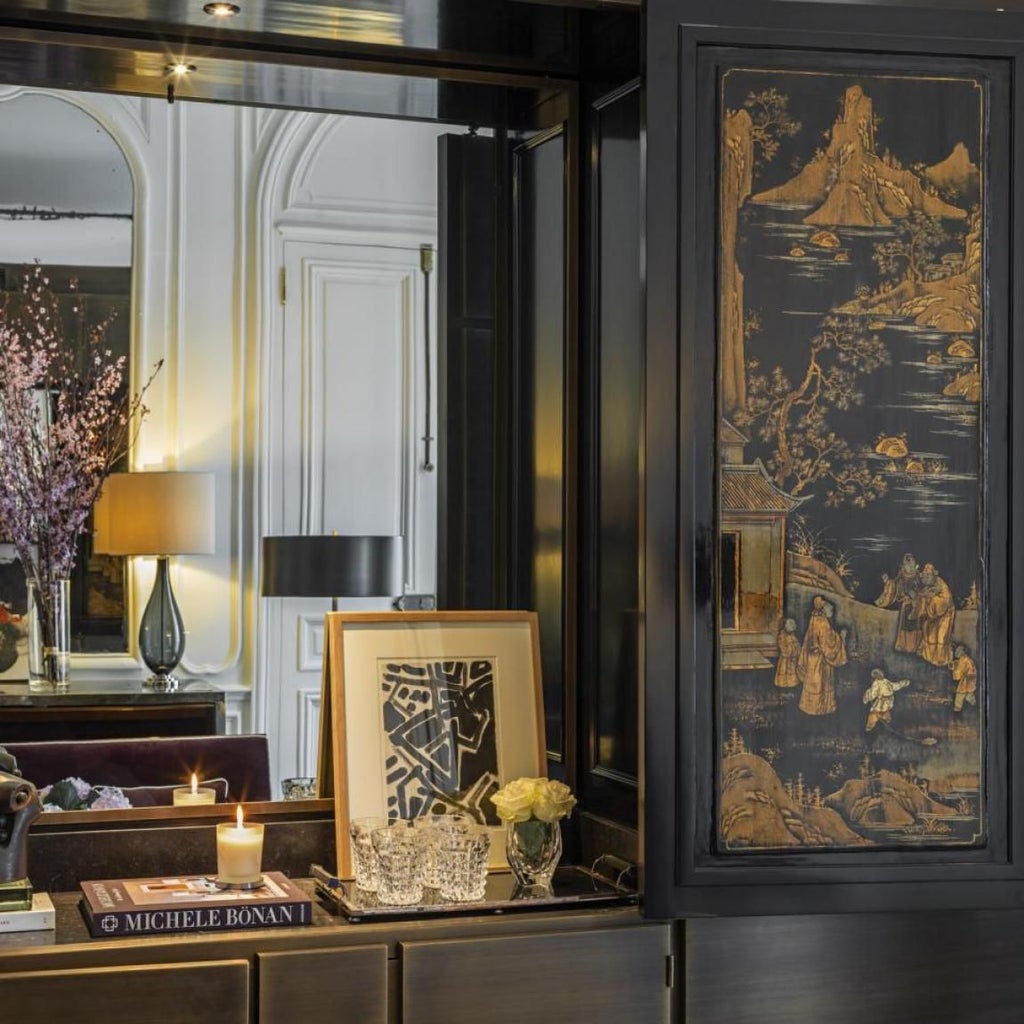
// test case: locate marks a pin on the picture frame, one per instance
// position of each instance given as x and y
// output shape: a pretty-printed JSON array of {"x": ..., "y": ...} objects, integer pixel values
[
  {"x": 739, "y": 831},
  {"x": 13, "y": 617},
  {"x": 394, "y": 684}
]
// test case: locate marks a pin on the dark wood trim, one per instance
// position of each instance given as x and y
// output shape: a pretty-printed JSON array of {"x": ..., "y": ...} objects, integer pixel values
[
  {"x": 667, "y": 595},
  {"x": 609, "y": 794},
  {"x": 571, "y": 441},
  {"x": 523, "y": 480}
]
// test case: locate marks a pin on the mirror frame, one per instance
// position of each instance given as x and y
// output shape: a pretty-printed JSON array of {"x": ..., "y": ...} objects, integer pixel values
[{"x": 273, "y": 70}]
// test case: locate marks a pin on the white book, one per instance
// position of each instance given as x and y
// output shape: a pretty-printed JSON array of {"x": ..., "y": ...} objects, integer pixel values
[{"x": 39, "y": 918}]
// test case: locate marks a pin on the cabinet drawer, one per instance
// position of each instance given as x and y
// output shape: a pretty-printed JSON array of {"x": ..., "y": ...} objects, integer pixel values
[
  {"x": 318, "y": 986},
  {"x": 595, "y": 977},
  {"x": 186, "y": 993}
]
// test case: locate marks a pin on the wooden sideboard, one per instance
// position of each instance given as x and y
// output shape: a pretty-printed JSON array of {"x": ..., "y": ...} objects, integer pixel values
[
  {"x": 108, "y": 710},
  {"x": 586, "y": 966}
]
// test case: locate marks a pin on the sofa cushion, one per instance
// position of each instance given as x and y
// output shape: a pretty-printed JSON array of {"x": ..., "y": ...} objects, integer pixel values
[
  {"x": 163, "y": 796},
  {"x": 151, "y": 764}
]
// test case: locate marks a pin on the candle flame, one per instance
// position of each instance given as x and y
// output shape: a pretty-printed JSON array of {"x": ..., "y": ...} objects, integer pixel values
[
  {"x": 238, "y": 816},
  {"x": 195, "y": 784}
]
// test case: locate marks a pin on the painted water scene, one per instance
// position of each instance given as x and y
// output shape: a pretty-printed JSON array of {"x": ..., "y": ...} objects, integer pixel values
[{"x": 851, "y": 353}]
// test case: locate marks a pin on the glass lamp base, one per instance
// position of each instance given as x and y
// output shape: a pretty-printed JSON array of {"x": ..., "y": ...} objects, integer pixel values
[{"x": 161, "y": 633}]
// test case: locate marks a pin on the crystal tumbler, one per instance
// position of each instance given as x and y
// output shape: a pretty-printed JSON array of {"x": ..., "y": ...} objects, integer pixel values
[
  {"x": 462, "y": 863},
  {"x": 399, "y": 865},
  {"x": 364, "y": 860}
]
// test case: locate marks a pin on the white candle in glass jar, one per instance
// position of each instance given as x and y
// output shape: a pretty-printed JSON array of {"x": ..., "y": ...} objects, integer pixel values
[
  {"x": 188, "y": 796},
  {"x": 239, "y": 851}
]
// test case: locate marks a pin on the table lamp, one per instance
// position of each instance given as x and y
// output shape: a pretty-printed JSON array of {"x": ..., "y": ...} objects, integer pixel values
[
  {"x": 332, "y": 566},
  {"x": 159, "y": 514}
]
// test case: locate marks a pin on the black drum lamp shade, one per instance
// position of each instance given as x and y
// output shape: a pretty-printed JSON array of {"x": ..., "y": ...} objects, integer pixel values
[{"x": 331, "y": 566}]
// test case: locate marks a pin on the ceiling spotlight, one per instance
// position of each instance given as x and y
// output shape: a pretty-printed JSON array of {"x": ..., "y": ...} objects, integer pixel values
[
  {"x": 180, "y": 67},
  {"x": 219, "y": 9}
]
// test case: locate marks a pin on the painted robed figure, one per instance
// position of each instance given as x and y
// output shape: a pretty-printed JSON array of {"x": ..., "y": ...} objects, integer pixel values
[{"x": 823, "y": 650}]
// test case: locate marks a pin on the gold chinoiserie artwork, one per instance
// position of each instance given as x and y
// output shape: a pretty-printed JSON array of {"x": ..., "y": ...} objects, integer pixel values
[{"x": 851, "y": 344}]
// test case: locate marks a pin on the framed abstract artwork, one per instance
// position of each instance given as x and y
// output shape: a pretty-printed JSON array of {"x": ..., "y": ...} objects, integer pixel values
[
  {"x": 427, "y": 712},
  {"x": 844, "y": 690}
]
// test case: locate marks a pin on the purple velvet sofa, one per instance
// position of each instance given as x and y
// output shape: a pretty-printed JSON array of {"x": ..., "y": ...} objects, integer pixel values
[{"x": 237, "y": 767}]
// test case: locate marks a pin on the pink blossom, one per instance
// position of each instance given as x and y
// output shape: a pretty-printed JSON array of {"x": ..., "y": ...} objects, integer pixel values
[{"x": 66, "y": 420}]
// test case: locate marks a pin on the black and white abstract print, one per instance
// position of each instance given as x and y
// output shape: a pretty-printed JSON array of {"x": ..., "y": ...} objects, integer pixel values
[{"x": 441, "y": 751}]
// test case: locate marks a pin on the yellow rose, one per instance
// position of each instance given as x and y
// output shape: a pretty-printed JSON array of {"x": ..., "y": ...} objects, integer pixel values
[
  {"x": 514, "y": 802},
  {"x": 553, "y": 800}
]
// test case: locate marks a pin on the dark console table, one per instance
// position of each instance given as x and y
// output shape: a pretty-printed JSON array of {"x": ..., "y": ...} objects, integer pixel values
[{"x": 108, "y": 710}]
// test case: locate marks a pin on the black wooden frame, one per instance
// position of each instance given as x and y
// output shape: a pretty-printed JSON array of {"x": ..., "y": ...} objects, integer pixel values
[
  {"x": 684, "y": 875},
  {"x": 611, "y": 794}
]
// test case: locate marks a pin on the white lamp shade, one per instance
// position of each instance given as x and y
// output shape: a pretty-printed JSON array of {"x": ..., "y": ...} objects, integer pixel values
[{"x": 155, "y": 514}]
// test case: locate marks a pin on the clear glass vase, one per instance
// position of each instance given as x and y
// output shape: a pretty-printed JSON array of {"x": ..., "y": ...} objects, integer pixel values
[
  {"x": 49, "y": 634},
  {"x": 534, "y": 848}
]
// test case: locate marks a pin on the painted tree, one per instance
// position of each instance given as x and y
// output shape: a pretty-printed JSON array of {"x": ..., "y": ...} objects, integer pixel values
[
  {"x": 734, "y": 744},
  {"x": 793, "y": 415},
  {"x": 770, "y": 122},
  {"x": 750, "y": 140},
  {"x": 919, "y": 241},
  {"x": 800, "y": 790}
]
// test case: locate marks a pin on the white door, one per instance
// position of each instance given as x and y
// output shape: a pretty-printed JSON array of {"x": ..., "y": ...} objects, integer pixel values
[{"x": 349, "y": 452}]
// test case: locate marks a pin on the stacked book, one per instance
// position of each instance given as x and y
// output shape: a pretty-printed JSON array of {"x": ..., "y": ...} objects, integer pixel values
[
  {"x": 39, "y": 917},
  {"x": 190, "y": 903}
]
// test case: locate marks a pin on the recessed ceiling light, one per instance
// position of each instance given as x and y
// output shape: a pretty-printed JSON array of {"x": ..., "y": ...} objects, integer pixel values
[
  {"x": 219, "y": 9},
  {"x": 180, "y": 67}
]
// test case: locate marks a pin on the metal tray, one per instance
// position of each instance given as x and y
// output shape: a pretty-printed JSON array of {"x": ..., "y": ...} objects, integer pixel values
[{"x": 571, "y": 886}]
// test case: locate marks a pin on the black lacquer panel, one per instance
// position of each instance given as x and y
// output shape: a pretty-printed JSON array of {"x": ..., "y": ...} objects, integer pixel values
[{"x": 715, "y": 664}]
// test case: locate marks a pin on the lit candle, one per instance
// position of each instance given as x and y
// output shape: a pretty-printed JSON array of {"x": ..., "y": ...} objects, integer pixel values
[
  {"x": 239, "y": 851},
  {"x": 185, "y": 796}
]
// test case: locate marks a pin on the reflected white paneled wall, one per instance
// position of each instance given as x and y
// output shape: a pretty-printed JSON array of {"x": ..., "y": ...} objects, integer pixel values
[
  {"x": 310, "y": 412},
  {"x": 350, "y": 435}
]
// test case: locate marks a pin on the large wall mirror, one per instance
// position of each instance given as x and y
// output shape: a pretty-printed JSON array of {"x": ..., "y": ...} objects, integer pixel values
[
  {"x": 67, "y": 201},
  {"x": 274, "y": 260}
]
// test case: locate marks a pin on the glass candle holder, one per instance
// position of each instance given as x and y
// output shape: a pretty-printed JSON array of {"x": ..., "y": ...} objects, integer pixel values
[
  {"x": 191, "y": 796},
  {"x": 399, "y": 853},
  {"x": 239, "y": 852},
  {"x": 302, "y": 788}
]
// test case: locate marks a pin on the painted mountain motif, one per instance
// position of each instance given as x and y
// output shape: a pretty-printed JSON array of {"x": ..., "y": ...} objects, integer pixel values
[{"x": 850, "y": 185}]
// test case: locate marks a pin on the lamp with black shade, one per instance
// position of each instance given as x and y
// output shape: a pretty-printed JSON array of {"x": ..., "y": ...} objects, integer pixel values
[
  {"x": 158, "y": 514},
  {"x": 332, "y": 566}
]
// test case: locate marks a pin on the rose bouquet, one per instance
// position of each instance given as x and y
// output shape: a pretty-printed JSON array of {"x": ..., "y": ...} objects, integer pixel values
[
  {"x": 526, "y": 798},
  {"x": 531, "y": 809},
  {"x": 66, "y": 420}
]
